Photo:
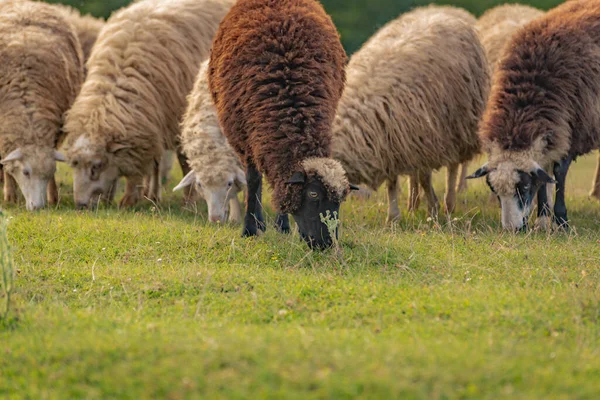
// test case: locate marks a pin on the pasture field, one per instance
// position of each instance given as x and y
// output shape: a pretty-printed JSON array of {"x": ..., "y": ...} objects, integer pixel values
[{"x": 155, "y": 303}]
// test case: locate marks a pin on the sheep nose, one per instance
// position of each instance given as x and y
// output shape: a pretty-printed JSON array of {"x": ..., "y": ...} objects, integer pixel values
[
  {"x": 81, "y": 206},
  {"x": 214, "y": 219}
]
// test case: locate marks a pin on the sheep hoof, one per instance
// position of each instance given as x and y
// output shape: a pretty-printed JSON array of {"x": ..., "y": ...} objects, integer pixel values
[
  {"x": 392, "y": 219},
  {"x": 561, "y": 224}
]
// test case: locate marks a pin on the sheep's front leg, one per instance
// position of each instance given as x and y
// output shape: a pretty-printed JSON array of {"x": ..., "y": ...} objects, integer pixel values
[
  {"x": 52, "y": 192},
  {"x": 10, "y": 189},
  {"x": 433, "y": 205},
  {"x": 235, "y": 210},
  {"x": 254, "y": 221},
  {"x": 154, "y": 189},
  {"x": 450, "y": 197},
  {"x": 596, "y": 188},
  {"x": 560, "y": 208},
  {"x": 462, "y": 179},
  {"x": 133, "y": 191},
  {"x": 414, "y": 197},
  {"x": 543, "y": 212},
  {"x": 393, "y": 210}
]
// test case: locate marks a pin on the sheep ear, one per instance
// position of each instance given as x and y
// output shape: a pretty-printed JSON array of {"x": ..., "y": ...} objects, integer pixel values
[
  {"x": 187, "y": 180},
  {"x": 483, "y": 171},
  {"x": 354, "y": 187},
  {"x": 60, "y": 157},
  {"x": 240, "y": 176},
  {"x": 298, "y": 177},
  {"x": 14, "y": 155},
  {"x": 542, "y": 175},
  {"x": 114, "y": 147}
]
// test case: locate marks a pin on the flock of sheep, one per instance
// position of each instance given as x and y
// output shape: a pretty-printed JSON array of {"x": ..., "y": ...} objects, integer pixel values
[{"x": 241, "y": 89}]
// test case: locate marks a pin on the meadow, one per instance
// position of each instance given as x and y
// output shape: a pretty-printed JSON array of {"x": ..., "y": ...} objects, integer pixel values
[{"x": 155, "y": 303}]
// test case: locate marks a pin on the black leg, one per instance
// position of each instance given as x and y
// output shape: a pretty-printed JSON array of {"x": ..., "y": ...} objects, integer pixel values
[
  {"x": 282, "y": 223},
  {"x": 542, "y": 196},
  {"x": 254, "y": 220},
  {"x": 560, "y": 208}
]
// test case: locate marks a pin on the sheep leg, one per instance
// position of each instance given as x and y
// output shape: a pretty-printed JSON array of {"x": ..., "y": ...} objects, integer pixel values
[
  {"x": 433, "y": 205},
  {"x": 1, "y": 174},
  {"x": 462, "y": 179},
  {"x": 254, "y": 221},
  {"x": 154, "y": 188},
  {"x": 132, "y": 192},
  {"x": 235, "y": 210},
  {"x": 10, "y": 188},
  {"x": 596, "y": 188},
  {"x": 414, "y": 197},
  {"x": 543, "y": 212},
  {"x": 188, "y": 192},
  {"x": 52, "y": 192},
  {"x": 560, "y": 209},
  {"x": 450, "y": 197},
  {"x": 393, "y": 210},
  {"x": 282, "y": 223}
]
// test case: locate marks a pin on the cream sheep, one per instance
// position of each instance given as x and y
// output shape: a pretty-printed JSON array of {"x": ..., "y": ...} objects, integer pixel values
[
  {"x": 414, "y": 95},
  {"x": 495, "y": 28},
  {"x": 40, "y": 75},
  {"x": 216, "y": 170},
  {"x": 127, "y": 114}
]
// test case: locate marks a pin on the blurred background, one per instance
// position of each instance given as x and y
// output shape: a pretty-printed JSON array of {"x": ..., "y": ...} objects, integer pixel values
[{"x": 355, "y": 19}]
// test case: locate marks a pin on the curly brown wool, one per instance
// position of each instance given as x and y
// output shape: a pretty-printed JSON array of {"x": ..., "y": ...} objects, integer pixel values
[{"x": 276, "y": 76}]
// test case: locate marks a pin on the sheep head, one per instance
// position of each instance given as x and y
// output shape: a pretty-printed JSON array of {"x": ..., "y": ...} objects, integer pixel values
[
  {"x": 95, "y": 172},
  {"x": 324, "y": 187},
  {"x": 217, "y": 184},
  {"x": 32, "y": 167}
]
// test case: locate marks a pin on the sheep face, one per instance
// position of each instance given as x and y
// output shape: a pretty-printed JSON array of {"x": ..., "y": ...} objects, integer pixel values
[
  {"x": 216, "y": 188},
  {"x": 32, "y": 168},
  {"x": 515, "y": 189},
  {"x": 95, "y": 174}
]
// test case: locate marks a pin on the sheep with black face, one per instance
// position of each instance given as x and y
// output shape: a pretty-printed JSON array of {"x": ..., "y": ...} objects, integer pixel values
[
  {"x": 276, "y": 75},
  {"x": 543, "y": 111}
]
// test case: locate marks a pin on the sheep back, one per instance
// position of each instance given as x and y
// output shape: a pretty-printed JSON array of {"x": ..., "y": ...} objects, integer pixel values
[
  {"x": 497, "y": 25},
  {"x": 276, "y": 75},
  {"x": 40, "y": 74},
  {"x": 413, "y": 99},
  {"x": 140, "y": 71}
]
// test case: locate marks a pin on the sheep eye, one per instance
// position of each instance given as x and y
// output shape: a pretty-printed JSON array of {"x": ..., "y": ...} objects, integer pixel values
[
  {"x": 26, "y": 173},
  {"x": 313, "y": 195},
  {"x": 229, "y": 184},
  {"x": 75, "y": 164}
]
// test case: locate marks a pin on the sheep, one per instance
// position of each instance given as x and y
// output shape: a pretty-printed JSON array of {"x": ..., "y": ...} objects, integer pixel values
[
  {"x": 139, "y": 73},
  {"x": 414, "y": 95},
  {"x": 40, "y": 75},
  {"x": 596, "y": 185},
  {"x": 543, "y": 111},
  {"x": 495, "y": 28},
  {"x": 276, "y": 75},
  {"x": 216, "y": 171}
]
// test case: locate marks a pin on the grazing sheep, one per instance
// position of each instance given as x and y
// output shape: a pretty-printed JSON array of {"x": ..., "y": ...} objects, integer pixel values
[
  {"x": 40, "y": 75},
  {"x": 412, "y": 104},
  {"x": 139, "y": 74},
  {"x": 543, "y": 110},
  {"x": 276, "y": 75},
  {"x": 216, "y": 171},
  {"x": 495, "y": 28}
]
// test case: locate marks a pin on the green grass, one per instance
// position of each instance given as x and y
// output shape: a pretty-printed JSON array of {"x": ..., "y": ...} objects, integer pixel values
[{"x": 155, "y": 303}]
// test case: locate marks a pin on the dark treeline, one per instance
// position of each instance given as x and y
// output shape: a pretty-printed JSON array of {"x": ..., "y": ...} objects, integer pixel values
[{"x": 356, "y": 19}]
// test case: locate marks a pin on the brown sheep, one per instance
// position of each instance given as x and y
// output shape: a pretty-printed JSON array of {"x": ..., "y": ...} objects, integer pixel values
[
  {"x": 40, "y": 75},
  {"x": 412, "y": 105},
  {"x": 141, "y": 69},
  {"x": 543, "y": 110},
  {"x": 495, "y": 28},
  {"x": 276, "y": 75}
]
